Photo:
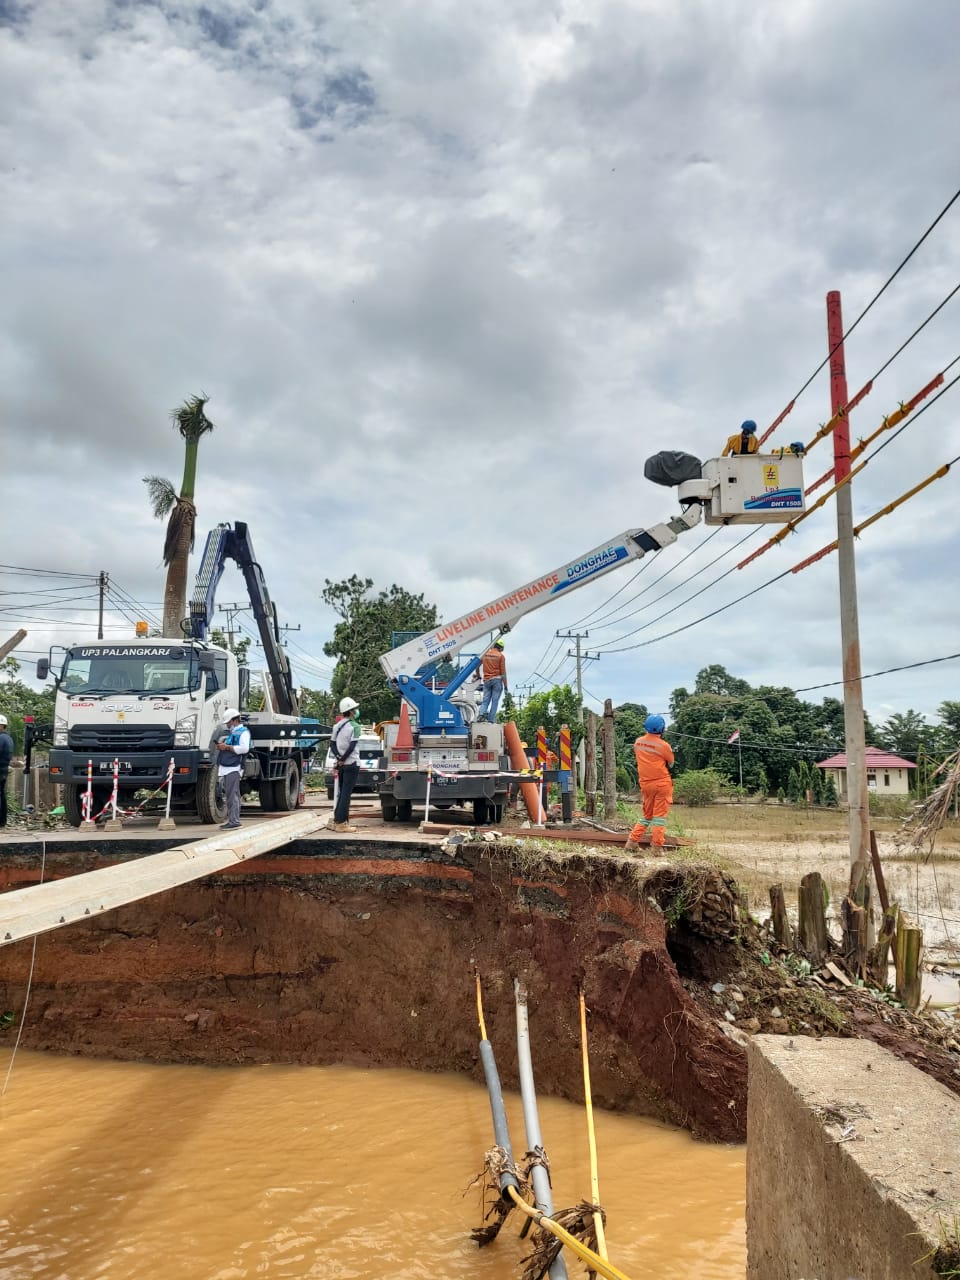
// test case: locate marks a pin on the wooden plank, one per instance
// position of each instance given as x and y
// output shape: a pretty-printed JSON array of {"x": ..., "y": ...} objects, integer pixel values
[{"x": 42, "y": 907}]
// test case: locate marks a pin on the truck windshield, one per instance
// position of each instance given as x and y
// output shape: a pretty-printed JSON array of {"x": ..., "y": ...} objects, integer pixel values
[{"x": 141, "y": 669}]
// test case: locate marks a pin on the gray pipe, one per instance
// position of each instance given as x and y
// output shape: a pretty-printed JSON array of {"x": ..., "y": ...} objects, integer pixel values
[
  {"x": 531, "y": 1120},
  {"x": 501, "y": 1133}
]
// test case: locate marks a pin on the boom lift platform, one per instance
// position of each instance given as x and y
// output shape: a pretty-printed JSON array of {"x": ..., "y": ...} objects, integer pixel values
[{"x": 467, "y": 759}]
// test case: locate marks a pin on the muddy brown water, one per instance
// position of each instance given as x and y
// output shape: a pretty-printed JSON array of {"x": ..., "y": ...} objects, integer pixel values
[{"x": 194, "y": 1173}]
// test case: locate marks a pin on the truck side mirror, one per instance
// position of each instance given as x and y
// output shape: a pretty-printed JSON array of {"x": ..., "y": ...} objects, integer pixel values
[
  {"x": 206, "y": 661},
  {"x": 244, "y": 674},
  {"x": 43, "y": 668}
]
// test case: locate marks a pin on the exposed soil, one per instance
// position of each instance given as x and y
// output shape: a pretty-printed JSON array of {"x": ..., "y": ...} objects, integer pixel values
[{"x": 365, "y": 952}]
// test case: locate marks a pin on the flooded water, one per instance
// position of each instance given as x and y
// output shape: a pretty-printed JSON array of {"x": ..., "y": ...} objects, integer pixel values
[{"x": 189, "y": 1173}]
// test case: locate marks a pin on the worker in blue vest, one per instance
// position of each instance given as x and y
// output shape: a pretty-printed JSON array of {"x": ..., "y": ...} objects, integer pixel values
[{"x": 231, "y": 749}]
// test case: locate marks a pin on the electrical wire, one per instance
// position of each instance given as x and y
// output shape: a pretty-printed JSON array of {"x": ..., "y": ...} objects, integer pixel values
[
  {"x": 909, "y": 666},
  {"x": 876, "y": 297}
]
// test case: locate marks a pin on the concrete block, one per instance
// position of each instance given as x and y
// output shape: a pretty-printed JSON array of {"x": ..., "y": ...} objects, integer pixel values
[{"x": 853, "y": 1162}]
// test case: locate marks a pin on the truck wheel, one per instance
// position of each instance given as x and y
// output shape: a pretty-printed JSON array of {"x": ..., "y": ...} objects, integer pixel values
[
  {"x": 211, "y": 805},
  {"x": 481, "y": 811},
  {"x": 265, "y": 792},
  {"x": 388, "y": 808},
  {"x": 496, "y": 812},
  {"x": 73, "y": 804},
  {"x": 404, "y": 810},
  {"x": 286, "y": 790}
]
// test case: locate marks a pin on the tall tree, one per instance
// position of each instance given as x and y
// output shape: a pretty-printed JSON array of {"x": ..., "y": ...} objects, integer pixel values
[
  {"x": 179, "y": 511},
  {"x": 365, "y": 630},
  {"x": 905, "y": 732}
]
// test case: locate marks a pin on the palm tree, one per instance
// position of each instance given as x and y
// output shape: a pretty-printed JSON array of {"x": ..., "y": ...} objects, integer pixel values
[{"x": 192, "y": 423}]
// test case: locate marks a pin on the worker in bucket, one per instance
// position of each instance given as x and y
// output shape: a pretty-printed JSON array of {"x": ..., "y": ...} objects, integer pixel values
[
  {"x": 344, "y": 743},
  {"x": 231, "y": 748},
  {"x": 744, "y": 440},
  {"x": 494, "y": 669},
  {"x": 654, "y": 760}
]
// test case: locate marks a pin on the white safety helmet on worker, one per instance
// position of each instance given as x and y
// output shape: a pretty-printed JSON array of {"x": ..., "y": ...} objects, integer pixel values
[
  {"x": 347, "y": 705},
  {"x": 231, "y": 713},
  {"x": 3, "y": 721}
]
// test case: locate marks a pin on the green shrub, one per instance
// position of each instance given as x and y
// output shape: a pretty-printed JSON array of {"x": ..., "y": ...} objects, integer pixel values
[
  {"x": 697, "y": 787},
  {"x": 891, "y": 806}
]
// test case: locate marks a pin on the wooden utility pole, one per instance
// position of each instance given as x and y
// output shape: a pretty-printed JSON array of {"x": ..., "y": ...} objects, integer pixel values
[
  {"x": 8, "y": 645},
  {"x": 609, "y": 762},
  {"x": 857, "y": 797},
  {"x": 590, "y": 764}
]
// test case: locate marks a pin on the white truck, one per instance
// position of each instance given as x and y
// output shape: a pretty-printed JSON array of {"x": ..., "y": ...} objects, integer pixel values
[
  {"x": 466, "y": 760},
  {"x": 147, "y": 701}
]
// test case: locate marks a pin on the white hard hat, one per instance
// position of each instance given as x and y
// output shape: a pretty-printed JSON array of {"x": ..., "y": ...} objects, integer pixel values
[
  {"x": 348, "y": 704},
  {"x": 231, "y": 713},
  {"x": 3, "y": 721}
]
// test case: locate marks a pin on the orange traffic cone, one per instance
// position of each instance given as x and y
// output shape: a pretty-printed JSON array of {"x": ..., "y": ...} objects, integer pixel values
[{"x": 404, "y": 733}]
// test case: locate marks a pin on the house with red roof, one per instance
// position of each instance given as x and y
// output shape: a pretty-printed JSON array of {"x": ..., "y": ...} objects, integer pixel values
[{"x": 887, "y": 774}]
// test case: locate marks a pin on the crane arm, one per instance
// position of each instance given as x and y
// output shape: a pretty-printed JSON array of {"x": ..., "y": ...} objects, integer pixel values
[{"x": 500, "y": 614}]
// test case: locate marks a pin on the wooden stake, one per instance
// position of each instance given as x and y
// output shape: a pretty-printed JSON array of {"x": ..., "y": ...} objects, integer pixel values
[
  {"x": 813, "y": 939},
  {"x": 590, "y": 764},
  {"x": 878, "y": 873},
  {"x": 909, "y": 951},
  {"x": 878, "y": 957},
  {"x": 778, "y": 918},
  {"x": 609, "y": 762}
]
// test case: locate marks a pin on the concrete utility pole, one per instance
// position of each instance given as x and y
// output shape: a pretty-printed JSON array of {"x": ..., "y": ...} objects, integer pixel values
[
  {"x": 522, "y": 696},
  {"x": 231, "y": 610},
  {"x": 857, "y": 795},
  {"x": 102, "y": 582},
  {"x": 581, "y": 658}
]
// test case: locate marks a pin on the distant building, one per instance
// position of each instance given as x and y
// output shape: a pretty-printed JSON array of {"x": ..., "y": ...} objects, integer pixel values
[{"x": 887, "y": 774}]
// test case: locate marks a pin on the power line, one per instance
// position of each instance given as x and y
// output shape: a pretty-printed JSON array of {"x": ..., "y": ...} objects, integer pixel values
[
  {"x": 876, "y": 297},
  {"x": 909, "y": 666},
  {"x": 54, "y": 573}
]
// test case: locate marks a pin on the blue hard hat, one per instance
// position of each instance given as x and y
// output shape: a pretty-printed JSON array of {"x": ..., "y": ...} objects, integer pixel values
[
  {"x": 749, "y": 427},
  {"x": 654, "y": 724}
]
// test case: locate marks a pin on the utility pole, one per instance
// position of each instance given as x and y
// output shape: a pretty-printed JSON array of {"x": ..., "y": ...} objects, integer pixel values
[
  {"x": 231, "y": 610},
  {"x": 102, "y": 582},
  {"x": 284, "y": 628},
  {"x": 521, "y": 696},
  {"x": 857, "y": 796},
  {"x": 9, "y": 645},
  {"x": 581, "y": 658}
]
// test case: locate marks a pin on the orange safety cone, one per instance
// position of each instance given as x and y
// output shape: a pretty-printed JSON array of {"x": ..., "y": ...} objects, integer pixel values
[
  {"x": 530, "y": 791},
  {"x": 404, "y": 740}
]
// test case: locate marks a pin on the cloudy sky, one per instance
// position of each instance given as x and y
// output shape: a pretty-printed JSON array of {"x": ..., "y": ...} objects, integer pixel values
[{"x": 449, "y": 274}]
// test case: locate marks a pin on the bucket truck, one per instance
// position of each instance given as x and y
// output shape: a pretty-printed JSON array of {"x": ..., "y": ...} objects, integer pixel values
[
  {"x": 142, "y": 702},
  {"x": 466, "y": 758}
]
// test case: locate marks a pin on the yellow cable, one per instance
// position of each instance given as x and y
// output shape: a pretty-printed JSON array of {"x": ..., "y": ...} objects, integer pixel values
[
  {"x": 591, "y": 1135},
  {"x": 596, "y": 1263},
  {"x": 483, "y": 1029}
]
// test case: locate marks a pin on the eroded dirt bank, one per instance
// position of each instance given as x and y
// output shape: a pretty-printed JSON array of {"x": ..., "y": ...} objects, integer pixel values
[{"x": 366, "y": 954}]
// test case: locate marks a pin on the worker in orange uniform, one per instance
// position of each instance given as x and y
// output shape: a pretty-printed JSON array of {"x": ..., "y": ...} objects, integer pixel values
[
  {"x": 654, "y": 759},
  {"x": 744, "y": 440},
  {"x": 494, "y": 669}
]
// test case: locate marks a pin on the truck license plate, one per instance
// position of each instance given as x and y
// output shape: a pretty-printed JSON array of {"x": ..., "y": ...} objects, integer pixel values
[
  {"x": 440, "y": 781},
  {"x": 123, "y": 766}
]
